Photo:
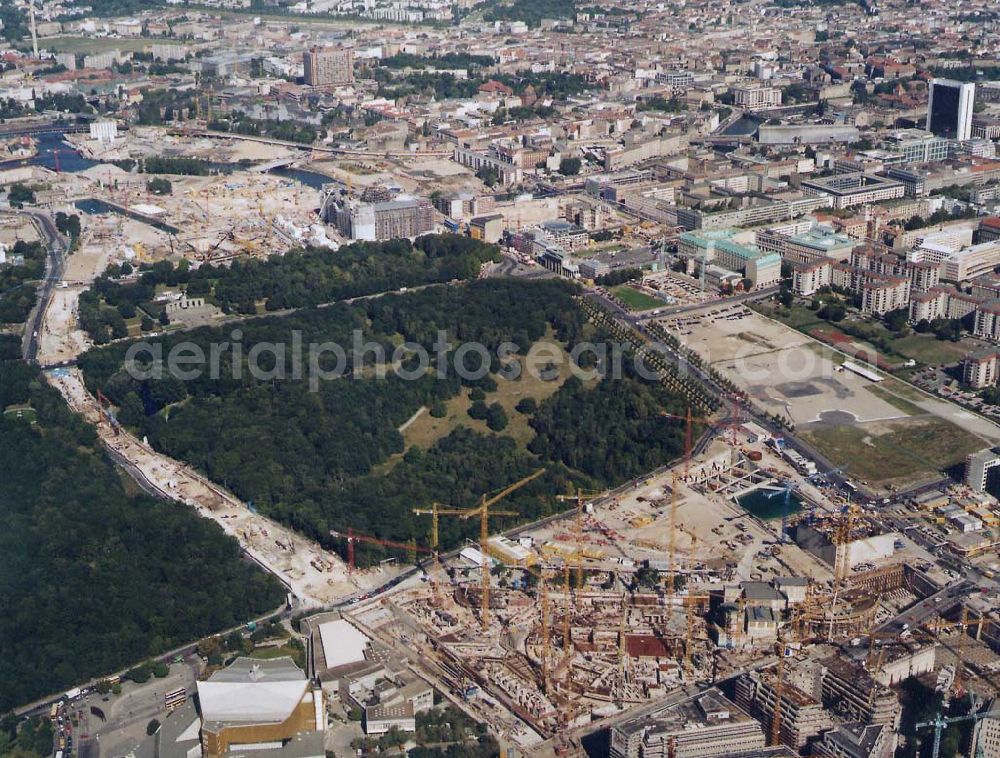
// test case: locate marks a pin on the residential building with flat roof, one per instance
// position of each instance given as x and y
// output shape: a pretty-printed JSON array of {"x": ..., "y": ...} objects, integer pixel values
[
  {"x": 978, "y": 465},
  {"x": 850, "y": 190},
  {"x": 979, "y": 369},
  {"x": 706, "y": 726},
  {"x": 754, "y": 97}
]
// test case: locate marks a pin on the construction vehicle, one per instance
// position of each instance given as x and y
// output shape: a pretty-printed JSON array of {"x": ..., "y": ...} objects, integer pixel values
[{"x": 672, "y": 542}]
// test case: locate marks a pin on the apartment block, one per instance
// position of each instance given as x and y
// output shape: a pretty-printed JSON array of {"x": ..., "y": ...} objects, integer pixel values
[
  {"x": 807, "y": 278},
  {"x": 756, "y": 97},
  {"x": 979, "y": 369},
  {"x": 326, "y": 66},
  {"x": 882, "y": 297},
  {"x": 988, "y": 321}
]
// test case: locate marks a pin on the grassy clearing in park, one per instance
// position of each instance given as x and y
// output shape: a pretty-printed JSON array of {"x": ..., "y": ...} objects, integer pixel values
[
  {"x": 22, "y": 412},
  {"x": 636, "y": 300},
  {"x": 426, "y": 429},
  {"x": 901, "y": 452}
]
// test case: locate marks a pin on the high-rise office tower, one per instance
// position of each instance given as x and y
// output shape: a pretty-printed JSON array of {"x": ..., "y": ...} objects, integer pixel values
[{"x": 949, "y": 108}]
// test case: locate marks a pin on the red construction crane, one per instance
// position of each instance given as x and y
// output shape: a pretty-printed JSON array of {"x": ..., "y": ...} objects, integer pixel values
[
  {"x": 688, "y": 433},
  {"x": 690, "y": 420},
  {"x": 351, "y": 538}
]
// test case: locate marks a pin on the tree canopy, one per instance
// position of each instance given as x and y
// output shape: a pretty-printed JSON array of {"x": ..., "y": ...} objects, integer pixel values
[
  {"x": 95, "y": 578},
  {"x": 300, "y": 278},
  {"x": 331, "y": 456}
]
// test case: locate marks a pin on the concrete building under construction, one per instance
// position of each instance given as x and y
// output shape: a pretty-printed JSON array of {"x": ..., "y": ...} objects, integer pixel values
[
  {"x": 402, "y": 217},
  {"x": 802, "y": 717}
]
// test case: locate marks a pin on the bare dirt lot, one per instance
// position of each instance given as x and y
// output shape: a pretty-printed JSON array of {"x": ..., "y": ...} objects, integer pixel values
[
  {"x": 784, "y": 371},
  {"x": 886, "y": 433}
]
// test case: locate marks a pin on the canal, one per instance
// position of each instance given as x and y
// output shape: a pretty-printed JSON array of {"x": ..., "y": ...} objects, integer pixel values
[
  {"x": 94, "y": 207},
  {"x": 743, "y": 125}
]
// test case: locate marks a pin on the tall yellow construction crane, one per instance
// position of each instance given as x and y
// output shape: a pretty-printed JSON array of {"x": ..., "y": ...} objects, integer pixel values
[
  {"x": 622, "y": 649},
  {"x": 842, "y": 541},
  {"x": 672, "y": 542},
  {"x": 779, "y": 685},
  {"x": 570, "y": 607},
  {"x": 579, "y": 497},
  {"x": 435, "y": 511},
  {"x": 543, "y": 587},
  {"x": 688, "y": 639},
  {"x": 483, "y": 511}
]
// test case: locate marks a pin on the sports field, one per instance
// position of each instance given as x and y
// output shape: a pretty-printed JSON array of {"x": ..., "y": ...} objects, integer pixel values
[{"x": 636, "y": 300}]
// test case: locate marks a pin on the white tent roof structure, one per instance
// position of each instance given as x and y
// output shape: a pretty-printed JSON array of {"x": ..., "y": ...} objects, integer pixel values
[{"x": 253, "y": 691}]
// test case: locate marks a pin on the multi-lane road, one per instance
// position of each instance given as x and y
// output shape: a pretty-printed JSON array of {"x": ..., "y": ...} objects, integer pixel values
[{"x": 54, "y": 264}]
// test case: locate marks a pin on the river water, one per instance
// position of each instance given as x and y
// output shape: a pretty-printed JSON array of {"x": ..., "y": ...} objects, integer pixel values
[
  {"x": 743, "y": 125},
  {"x": 52, "y": 150}
]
